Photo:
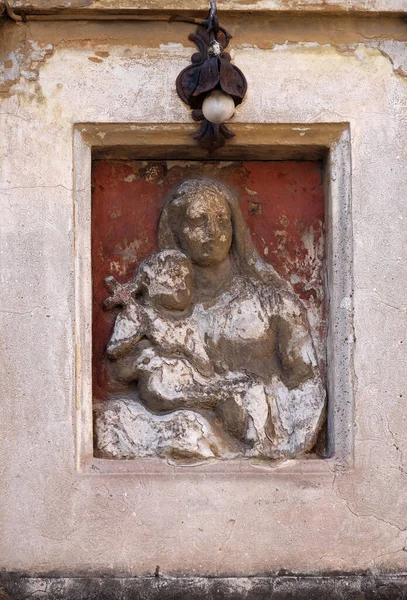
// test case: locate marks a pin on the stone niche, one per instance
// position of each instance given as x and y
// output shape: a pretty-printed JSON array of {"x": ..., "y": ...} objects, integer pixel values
[
  {"x": 228, "y": 361},
  {"x": 195, "y": 377}
]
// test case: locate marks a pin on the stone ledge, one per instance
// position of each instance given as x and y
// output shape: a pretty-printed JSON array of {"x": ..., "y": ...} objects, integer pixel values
[
  {"x": 105, "y": 9},
  {"x": 14, "y": 586}
]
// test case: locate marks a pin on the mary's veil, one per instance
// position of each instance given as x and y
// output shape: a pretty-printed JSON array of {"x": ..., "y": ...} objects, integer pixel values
[{"x": 245, "y": 255}]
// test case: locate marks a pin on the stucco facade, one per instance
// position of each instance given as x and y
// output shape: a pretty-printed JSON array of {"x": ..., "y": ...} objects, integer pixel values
[{"x": 310, "y": 64}]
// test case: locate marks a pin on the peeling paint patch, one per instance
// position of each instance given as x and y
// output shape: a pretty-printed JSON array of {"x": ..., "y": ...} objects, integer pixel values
[
  {"x": 23, "y": 63},
  {"x": 130, "y": 178},
  {"x": 171, "y": 46},
  {"x": 396, "y": 52},
  {"x": 255, "y": 208}
]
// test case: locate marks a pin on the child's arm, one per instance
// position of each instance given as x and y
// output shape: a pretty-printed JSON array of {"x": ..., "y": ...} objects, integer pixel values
[
  {"x": 130, "y": 327},
  {"x": 131, "y": 323}
]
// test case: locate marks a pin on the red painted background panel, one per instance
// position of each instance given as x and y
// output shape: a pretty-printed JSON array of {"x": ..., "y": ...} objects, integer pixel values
[{"x": 282, "y": 203}]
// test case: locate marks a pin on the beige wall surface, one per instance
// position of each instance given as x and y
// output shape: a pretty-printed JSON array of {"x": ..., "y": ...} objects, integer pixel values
[{"x": 53, "y": 516}]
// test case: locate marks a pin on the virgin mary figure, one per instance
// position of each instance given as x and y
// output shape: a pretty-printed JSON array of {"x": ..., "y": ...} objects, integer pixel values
[{"x": 263, "y": 395}]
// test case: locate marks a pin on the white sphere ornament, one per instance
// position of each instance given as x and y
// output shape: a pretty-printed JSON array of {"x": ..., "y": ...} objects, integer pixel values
[{"x": 218, "y": 107}]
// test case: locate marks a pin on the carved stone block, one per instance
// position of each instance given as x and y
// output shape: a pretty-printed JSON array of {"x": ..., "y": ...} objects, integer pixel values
[{"x": 211, "y": 354}]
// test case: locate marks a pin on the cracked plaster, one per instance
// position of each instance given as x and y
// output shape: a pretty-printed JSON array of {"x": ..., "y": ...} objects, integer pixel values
[{"x": 54, "y": 519}]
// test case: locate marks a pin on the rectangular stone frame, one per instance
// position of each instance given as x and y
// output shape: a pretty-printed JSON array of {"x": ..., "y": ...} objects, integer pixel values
[{"x": 329, "y": 142}]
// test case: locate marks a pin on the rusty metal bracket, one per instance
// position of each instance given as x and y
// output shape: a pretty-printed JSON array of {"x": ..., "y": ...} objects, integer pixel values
[{"x": 211, "y": 69}]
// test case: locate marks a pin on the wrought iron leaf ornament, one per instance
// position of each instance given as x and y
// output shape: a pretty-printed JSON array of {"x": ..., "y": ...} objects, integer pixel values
[{"x": 211, "y": 69}]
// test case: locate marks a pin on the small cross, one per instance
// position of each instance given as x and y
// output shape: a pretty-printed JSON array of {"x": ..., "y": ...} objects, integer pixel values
[{"x": 120, "y": 294}]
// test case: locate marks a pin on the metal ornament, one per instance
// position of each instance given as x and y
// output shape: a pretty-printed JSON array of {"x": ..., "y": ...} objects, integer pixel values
[{"x": 211, "y": 69}]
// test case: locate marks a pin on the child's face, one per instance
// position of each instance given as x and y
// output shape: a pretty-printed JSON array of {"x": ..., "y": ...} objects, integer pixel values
[{"x": 172, "y": 285}]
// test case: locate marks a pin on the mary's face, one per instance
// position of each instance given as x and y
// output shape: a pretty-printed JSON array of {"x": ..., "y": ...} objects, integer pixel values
[{"x": 206, "y": 230}]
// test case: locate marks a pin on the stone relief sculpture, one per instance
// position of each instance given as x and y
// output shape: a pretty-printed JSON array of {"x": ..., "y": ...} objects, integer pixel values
[{"x": 211, "y": 354}]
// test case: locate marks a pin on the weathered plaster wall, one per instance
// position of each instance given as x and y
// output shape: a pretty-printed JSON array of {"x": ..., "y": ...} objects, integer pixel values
[{"x": 54, "y": 519}]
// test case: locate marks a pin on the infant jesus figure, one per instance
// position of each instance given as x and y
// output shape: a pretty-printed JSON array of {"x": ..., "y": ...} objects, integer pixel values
[{"x": 158, "y": 342}]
